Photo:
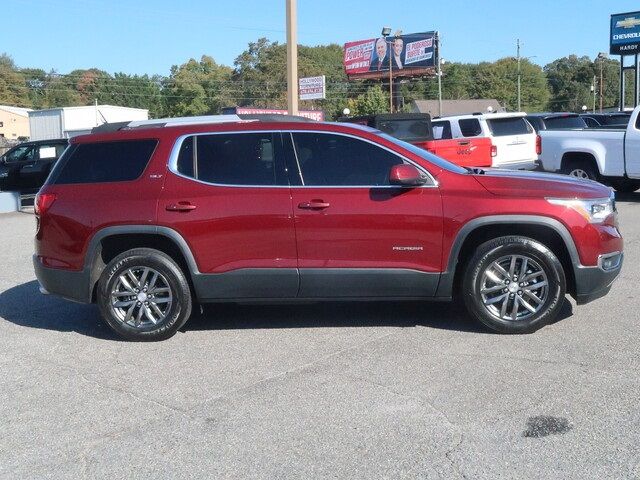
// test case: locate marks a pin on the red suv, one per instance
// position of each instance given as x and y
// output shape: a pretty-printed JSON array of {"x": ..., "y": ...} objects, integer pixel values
[{"x": 156, "y": 216}]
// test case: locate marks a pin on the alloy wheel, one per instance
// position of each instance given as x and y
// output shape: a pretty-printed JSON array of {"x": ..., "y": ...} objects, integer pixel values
[
  {"x": 514, "y": 288},
  {"x": 579, "y": 173},
  {"x": 141, "y": 297}
]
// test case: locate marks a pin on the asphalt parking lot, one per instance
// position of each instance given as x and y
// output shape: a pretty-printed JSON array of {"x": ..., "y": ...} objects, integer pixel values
[{"x": 357, "y": 390}]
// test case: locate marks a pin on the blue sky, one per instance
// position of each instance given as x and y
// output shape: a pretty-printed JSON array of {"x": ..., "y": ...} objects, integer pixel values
[{"x": 144, "y": 36}]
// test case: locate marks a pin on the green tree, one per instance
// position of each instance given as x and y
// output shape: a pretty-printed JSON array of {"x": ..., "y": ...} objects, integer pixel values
[
  {"x": 373, "y": 101},
  {"x": 499, "y": 80},
  {"x": 198, "y": 88},
  {"x": 13, "y": 90}
]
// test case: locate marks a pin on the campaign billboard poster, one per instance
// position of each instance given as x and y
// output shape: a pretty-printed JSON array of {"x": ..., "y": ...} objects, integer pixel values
[
  {"x": 625, "y": 34},
  {"x": 406, "y": 55}
]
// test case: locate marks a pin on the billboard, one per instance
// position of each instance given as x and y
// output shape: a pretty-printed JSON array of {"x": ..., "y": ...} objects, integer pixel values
[
  {"x": 625, "y": 34},
  {"x": 407, "y": 56},
  {"x": 311, "y": 88}
]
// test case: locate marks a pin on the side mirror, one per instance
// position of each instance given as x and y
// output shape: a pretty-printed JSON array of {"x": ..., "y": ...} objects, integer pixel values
[{"x": 406, "y": 175}]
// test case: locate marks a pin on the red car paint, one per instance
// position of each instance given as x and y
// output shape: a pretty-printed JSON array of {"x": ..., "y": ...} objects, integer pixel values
[{"x": 230, "y": 228}]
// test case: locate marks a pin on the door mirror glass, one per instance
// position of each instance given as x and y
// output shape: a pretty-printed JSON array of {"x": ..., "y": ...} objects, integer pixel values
[{"x": 406, "y": 175}]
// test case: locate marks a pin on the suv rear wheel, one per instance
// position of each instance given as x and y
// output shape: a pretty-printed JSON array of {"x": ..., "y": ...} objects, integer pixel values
[
  {"x": 514, "y": 285},
  {"x": 143, "y": 295}
]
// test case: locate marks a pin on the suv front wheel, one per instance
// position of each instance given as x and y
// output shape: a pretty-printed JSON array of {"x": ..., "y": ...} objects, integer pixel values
[
  {"x": 514, "y": 285},
  {"x": 143, "y": 295}
]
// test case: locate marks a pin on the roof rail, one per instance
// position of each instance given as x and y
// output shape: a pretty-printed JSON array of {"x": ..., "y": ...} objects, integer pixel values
[
  {"x": 167, "y": 122},
  {"x": 172, "y": 122}
]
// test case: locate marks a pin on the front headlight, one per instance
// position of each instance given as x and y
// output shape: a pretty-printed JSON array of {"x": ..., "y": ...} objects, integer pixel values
[{"x": 595, "y": 210}]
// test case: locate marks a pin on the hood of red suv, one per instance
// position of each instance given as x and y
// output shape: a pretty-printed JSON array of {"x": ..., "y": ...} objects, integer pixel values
[{"x": 518, "y": 183}]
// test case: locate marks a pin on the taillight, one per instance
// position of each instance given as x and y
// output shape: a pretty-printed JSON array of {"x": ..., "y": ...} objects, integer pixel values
[
  {"x": 43, "y": 202},
  {"x": 494, "y": 150},
  {"x": 538, "y": 145}
]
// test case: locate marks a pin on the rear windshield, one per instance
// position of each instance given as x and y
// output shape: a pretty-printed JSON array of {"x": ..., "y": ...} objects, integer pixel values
[
  {"x": 409, "y": 130},
  {"x": 103, "y": 162},
  {"x": 501, "y": 127},
  {"x": 565, "y": 122}
]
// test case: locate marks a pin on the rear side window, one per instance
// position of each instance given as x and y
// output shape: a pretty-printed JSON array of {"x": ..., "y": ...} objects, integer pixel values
[
  {"x": 245, "y": 159},
  {"x": 104, "y": 162},
  {"x": 441, "y": 130},
  {"x": 407, "y": 130},
  {"x": 501, "y": 127},
  {"x": 470, "y": 127}
]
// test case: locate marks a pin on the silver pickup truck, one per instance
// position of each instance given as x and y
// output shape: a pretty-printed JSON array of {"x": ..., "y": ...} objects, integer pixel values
[{"x": 608, "y": 156}]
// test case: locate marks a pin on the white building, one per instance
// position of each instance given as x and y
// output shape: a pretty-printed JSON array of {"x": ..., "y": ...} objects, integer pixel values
[
  {"x": 14, "y": 122},
  {"x": 68, "y": 122}
]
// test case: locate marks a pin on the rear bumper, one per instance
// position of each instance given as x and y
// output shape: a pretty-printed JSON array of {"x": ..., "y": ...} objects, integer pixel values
[
  {"x": 595, "y": 282},
  {"x": 68, "y": 284}
]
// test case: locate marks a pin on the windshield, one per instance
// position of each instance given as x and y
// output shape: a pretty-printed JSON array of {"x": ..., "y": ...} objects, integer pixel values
[
  {"x": 429, "y": 157},
  {"x": 565, "y": 122}
]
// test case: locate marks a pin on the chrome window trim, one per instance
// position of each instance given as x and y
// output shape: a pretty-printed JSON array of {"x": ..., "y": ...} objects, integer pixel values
[{"x": 172, "y": 164}]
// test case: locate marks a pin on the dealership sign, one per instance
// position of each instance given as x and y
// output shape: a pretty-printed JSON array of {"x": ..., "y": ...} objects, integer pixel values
[
  {"x": 625, "y": 33},
  {"x": 407, "y": 55},
  {"x": 317, "y": 115},
  {"x": 312, "y": 88}
]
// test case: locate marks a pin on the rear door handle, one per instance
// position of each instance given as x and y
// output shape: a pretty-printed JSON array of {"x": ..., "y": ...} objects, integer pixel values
[
  {"x": 314, "y": 205},
  {"x": 180, "y": 207}
]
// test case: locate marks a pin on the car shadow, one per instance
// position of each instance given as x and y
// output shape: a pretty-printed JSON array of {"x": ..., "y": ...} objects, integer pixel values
[{"x": 23, "y": 305}]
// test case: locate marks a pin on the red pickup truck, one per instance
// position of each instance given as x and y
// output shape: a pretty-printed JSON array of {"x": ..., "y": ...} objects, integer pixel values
[{"x": 416, "y": 128}]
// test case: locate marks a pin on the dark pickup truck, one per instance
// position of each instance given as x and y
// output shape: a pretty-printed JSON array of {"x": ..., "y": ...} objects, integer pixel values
[{"x": 416, "y": 128}]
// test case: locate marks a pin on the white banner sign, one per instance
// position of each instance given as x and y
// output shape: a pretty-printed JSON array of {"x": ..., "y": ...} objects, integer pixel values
[{"x": 311, "y": 88}]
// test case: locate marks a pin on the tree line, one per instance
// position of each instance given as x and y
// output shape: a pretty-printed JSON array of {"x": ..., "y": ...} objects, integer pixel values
[{"x": 258, "y": 78}]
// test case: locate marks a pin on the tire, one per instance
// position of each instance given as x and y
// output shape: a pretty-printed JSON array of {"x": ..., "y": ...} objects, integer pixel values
[
  {"x": 152, "y": 309},
  {"x": 581, "y": 169},
  {"x": 625, "y": 186},
  {"x": 480, "y": 291}
]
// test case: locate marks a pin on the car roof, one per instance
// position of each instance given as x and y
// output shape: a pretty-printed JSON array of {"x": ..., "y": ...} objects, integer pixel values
[
  {"x": 545, "y": 115},
  {"x": 485, "y": 116},
  {"x": 174, "y": 131}
]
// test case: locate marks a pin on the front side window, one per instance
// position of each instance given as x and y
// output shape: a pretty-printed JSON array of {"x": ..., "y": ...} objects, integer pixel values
[
  {"x": 441, "y": 130},
  {"x": 20, "y": 154},
  {"x": 230, "y": 159},
  {"x": 470, "y": 127},
  {"x": 338, "y": 160}
]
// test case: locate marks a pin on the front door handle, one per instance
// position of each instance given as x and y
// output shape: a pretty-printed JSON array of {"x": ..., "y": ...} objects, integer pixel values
[
  {"x": 180, "y": 207},
  {"x": 314, "y": 205}
]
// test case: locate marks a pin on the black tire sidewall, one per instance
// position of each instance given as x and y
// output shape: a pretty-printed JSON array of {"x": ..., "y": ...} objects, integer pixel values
[
  {"x": 491, "y": 251},
  {"x": 180, "y": 309}
]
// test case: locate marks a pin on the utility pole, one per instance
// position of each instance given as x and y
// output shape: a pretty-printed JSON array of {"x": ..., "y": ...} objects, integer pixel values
[
  {"x": 292, "y": 57},
  {"x": 593, "y": 89},
  {"x": 518, "y": 56},
  {"x": 390, "y": 50},
  {"x": 439, "y": 72},
  {"x": 601, "y": 57}
]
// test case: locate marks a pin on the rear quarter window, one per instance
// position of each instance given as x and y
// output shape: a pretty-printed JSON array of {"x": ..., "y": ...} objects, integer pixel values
[
  {"x": 502, "y": 127},
  {"x": 104, "y": 162},
  {"x": 470, "y": 127}
]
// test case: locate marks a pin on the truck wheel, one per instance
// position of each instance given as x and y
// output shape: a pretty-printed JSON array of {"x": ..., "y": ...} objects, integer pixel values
[
  {"x": 514, "y": 285},
  {"x": 579, "y": 169},
  {"x": 143, "y": 295},
  {"x": 625, "y": 186}
]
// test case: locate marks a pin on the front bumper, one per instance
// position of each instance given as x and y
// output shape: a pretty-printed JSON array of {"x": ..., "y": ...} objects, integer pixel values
[
  {"x": 71, "y": 285},
  {"x": 595, "y": 282}
]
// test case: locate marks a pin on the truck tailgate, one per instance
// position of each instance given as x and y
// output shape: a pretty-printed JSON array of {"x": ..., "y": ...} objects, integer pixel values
[{"x": 466, "y": 152}]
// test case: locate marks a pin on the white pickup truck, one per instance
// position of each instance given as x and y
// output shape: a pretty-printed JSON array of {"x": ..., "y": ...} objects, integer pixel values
[{"x": 608, "y": 156}]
